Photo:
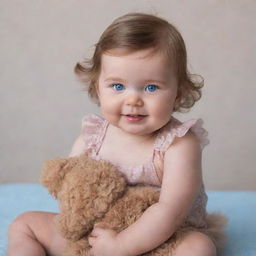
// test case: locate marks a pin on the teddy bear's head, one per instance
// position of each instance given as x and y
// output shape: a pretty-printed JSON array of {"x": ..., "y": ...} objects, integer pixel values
[{"x": 85, "y": 188}]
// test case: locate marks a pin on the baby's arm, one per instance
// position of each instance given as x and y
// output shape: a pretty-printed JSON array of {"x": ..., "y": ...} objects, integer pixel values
[{"x": 181, "y": 182}]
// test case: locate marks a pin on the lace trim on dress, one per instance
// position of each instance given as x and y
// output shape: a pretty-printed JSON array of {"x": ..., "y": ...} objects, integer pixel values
[
  {"x": 197, "y": 214},
  {"x": 94, "y": 129},
  {"x": 177, "y": 129}
]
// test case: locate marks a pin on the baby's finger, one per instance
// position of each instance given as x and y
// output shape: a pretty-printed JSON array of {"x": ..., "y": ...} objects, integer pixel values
[{"x": 91, "y": 240}]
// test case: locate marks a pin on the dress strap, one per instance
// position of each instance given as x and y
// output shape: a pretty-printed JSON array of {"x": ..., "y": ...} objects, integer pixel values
[
  {"x": 175, "y": 128},
  {"x": 93, "y": 131}
]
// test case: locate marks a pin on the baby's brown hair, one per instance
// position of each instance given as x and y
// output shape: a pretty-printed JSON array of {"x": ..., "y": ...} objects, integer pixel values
[{"x": 138, "y": 31}]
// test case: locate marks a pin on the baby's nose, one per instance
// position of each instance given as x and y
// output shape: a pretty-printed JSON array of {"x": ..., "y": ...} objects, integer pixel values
[{"x": 134, "y": 99}]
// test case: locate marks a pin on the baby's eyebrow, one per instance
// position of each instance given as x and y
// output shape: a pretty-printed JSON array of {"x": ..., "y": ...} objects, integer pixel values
[
  {"x": 147, "y": 81},
  {"x": 112, "y": 78},
  {"x": 154, "y": 81}
]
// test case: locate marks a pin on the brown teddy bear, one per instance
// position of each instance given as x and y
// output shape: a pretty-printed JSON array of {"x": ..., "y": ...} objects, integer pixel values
[{"x": 94, "y": 193}]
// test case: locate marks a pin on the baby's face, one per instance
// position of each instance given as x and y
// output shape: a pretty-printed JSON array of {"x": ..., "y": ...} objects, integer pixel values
[{"x": 137, "y": 90}]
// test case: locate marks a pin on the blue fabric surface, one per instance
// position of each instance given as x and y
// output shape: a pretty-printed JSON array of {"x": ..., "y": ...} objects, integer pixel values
[{"x": 239, "y": 207}]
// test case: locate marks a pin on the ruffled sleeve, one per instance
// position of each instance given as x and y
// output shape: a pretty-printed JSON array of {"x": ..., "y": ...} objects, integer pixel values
[
  {"x": 177, "y": 129},
  {"x": 93, "y": 132}
]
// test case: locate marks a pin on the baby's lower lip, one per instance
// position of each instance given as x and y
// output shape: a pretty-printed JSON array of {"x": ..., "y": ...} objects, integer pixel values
[{"x": 135, "y": 118}]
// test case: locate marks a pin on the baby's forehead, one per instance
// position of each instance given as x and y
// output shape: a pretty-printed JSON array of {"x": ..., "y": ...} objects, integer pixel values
[
  {"x": 146, "y": 60},
  {"x": 149, "y": 54}
]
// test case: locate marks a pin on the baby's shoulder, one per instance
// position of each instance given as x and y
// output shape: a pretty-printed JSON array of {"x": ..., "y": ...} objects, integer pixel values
[
  {"x": 185, "y": 144},
  {"x": 92, "y": 132}
]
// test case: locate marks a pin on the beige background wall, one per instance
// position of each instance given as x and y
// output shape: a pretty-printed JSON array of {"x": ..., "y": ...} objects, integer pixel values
[{"x": 42, "y": 102}]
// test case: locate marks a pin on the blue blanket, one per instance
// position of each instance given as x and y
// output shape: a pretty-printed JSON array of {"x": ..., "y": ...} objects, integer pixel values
[{"x": 239, "y": 207}]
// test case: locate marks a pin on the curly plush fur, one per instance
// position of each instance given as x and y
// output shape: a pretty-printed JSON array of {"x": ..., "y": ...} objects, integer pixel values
[{"x": 94, "y": 193}]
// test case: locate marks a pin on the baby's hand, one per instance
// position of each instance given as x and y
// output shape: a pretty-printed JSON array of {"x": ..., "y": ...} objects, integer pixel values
[{"x": 105, "y": 242}]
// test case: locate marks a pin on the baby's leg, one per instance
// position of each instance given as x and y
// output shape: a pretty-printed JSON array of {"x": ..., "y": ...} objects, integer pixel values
[
  {"x": 33, "y": 233},
  {"x": 195, "y": 244}
]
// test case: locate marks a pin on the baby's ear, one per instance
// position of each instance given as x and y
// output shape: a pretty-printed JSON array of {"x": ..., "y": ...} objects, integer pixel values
[{"x": 53, "y": 173}]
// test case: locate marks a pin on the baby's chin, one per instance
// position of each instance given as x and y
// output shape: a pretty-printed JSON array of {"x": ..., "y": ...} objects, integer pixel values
[{"x": 136, "y": 125}]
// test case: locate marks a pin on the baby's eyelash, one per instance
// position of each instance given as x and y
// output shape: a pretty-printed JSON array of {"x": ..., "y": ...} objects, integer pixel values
[
  {"x": 151, "y": 88},
  {"x": 118, "y": 86}
]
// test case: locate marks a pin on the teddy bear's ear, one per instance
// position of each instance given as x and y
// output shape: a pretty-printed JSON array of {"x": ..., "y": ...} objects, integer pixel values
[{"x": 53, "y": 173}]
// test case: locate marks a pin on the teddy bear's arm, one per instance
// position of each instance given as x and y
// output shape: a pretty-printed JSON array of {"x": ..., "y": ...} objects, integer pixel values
[{"x": 73, "y": 226}]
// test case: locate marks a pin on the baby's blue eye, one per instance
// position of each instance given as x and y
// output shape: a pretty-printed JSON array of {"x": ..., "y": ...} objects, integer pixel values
[
  {"x": 118, "y": 87},
  {"x": 151, "y": 88}
]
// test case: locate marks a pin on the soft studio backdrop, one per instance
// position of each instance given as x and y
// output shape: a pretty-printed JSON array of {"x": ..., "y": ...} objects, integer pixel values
[{"x": 42, "y": 103}]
